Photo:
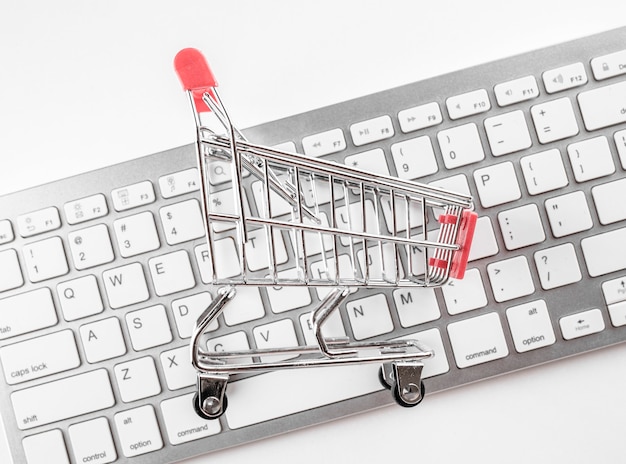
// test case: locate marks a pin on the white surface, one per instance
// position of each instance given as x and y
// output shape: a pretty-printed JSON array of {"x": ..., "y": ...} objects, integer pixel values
[{"x": 87, "y": 84}]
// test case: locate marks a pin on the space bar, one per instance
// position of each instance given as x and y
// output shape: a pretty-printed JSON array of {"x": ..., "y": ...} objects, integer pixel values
[
  {"x": 280, "y": 393},
  {"x": 62, "y": 399}
]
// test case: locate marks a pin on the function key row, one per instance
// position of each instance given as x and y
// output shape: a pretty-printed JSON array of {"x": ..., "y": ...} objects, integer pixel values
[
  {"x": 95, "y": 206},
  {"x": 475, "y": 102}
]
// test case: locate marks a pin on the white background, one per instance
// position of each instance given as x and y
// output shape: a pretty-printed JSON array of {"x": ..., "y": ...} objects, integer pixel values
[{"x": 84, "y": 84}]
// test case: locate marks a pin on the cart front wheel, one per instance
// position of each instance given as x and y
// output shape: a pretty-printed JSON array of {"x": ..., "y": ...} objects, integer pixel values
[{"x": 211, "y": 404}]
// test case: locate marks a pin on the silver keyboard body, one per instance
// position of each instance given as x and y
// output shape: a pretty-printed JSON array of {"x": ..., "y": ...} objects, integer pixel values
[{"x": 564, "y": 297}]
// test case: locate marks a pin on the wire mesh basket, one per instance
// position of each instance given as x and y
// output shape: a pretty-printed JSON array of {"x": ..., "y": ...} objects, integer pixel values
[{"x": 316, "y": 223}]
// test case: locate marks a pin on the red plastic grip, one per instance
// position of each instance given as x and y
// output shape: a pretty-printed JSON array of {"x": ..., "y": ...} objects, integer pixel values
[
  {"x": 195, "y": 75},
  {"x": 193, "y": 71},
  {"x": 464, "y": 240}
]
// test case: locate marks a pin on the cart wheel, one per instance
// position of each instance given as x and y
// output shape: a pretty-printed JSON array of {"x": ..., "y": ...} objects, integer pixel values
[
  {"x": 201, "y": 413},
  {"x": 404, "y": 403}
]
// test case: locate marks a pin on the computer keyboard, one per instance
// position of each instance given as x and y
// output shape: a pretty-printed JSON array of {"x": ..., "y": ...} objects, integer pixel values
[{"x": 103, "y": 274}]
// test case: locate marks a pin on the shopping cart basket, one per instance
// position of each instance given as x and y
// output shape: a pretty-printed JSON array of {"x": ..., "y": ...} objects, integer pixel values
[{"x": 316, "y": 223}]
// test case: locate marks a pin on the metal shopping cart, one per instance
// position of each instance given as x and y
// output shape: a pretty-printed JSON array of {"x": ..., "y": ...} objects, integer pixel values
[{"x": 316, "y": 223}]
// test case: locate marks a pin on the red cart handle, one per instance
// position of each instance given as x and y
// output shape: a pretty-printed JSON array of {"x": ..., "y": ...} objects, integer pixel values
[{"x": 195, "y": 75}]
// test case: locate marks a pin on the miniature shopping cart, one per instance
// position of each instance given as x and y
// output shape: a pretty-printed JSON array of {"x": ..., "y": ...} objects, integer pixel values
[{"x": 316, "y": 223}]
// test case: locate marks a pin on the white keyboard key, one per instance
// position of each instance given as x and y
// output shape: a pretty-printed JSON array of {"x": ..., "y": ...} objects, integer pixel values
[
  {"x": 278, "y": 205},
  {"x": 582, "y": 324},
  {"x": 484, "y": 243},
  {"x": 132, "y": 196},
  {"x": 90, "y": 247},
  {"x": 183, "y": 424},
  {"x": 177, "y": 368},
  {"x": 249, "y": 307},
  {"x": 614, "y": 290},
  {"x": 568, "y": 214},
  {"x": 611, "y": 65},
  {"x": 80, "y": 298},
  {"x": 6, "y": 232},
  {"x": 223, "y": 202},
  {"x": 332, "y": 327},
  {"x": 38, "y": 222},
  {"x": 369, "y": 316},
  {"x": 591, "y": 159},
  {"x": 286, "y": 298},
  {"x": 85, "y": 209},
  {"x": 607, "y": 198},
  {"x": 324, "y": 143},
  {"x": 317, "y": 191},
  {"x": 45, "y": 448},
  {"x": 554, "y": 120},
  {"x": 420, "y": 117},
  {"x": 617, "y": 312},
  {"x": 507, "y": 133},
  {"x": 517, "y": 90},
  {"x": 136, "y": 234},
  {"x": 288, "y": 146},
  {"x": 456, "y": 183},
  {"x": 277, "y": 334},
  {"x": 399, "y": 211},
  {"x": 372, "y": 130},
  {"x": 315, "y": 242},
  {"x": 187, "y": 310},
  {"x": 564, "y": 77},
  {"x": 179, "y": 183},
  {"x": 236, "y": 341},
  {"x": 244, "y": 407},
  {"x": 182, "y": 221},
  {"x": 258, "y": 252},
  {"x": 497, "y": 184},
  {"x": 148, "y": 327},
  {"x": 460, "y": 146},
  {"x": 438, "y": 363},
  {"x": 45, "y": 259},
  {"x": 102, "y": 340},
  {"x": 171, "y": 273},
  {"x": 521, "y": 227},
  {"x": 125, "y": 285},
  {"x": 557, "y": 266},
  {"x": 37, "y": 304},
  {"x": 510, "y": 278},
  {"x": 531, "y": 327},
  {"x": 603, "y": 107},
  {"x": 351, "y": 219},
  {"x": 10, "y": 272},
  {"x": 602, "y": 252},
  {"x": 226, "y": 259},
  {"x": 62, "y": 399},
  {"x": 381, "y": 263},
  {"x": 467, "y": 104},
  {"x": 39, "y": 357},
  {"x": 137, "y": 379},
  {"x": 92, "y": 441},
  {"x": 477, "y": 340},
  {"x": 544, "y": 171},
  {"x": 465, "y": 295},
  {"x": 138, "y": 431},
  {"x": 620, "y": 142},
  {"x": 414, "y": 158},
  {"x": 372, "y": 161}
]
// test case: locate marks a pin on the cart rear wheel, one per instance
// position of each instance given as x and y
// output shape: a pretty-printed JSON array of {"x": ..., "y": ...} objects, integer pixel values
[{"x": 404, "y": 403}]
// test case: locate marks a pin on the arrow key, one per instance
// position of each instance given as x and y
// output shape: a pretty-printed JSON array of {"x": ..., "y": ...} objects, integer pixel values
[{"x": 582, "y": 324}]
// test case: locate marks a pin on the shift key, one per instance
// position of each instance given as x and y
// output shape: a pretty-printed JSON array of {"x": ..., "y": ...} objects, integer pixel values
[{"x": 62, "y": 399}]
